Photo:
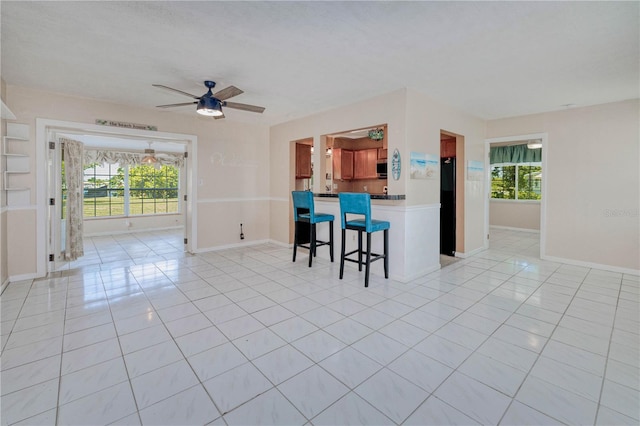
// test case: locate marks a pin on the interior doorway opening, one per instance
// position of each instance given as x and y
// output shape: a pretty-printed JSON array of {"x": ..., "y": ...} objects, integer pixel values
[
  {"x": 131, "y": 141},
  {"x": 451, "y": 194},
  {"x": 516, "y": 188}
]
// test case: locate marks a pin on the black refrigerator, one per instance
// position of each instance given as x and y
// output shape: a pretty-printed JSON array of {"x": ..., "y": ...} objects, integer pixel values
[{"x": 448, "y": 206}]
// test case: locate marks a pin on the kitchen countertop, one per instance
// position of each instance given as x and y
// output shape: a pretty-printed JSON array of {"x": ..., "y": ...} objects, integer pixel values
[{"x": 373, "y": 196}]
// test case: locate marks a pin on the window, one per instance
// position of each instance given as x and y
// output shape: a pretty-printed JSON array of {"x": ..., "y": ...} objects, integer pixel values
[
  {"x": 103, "y": 190},
  {"x": 112, "y": 190},
  {"x": 153, "y": 191},
  {"x": 516, "y": 181}
]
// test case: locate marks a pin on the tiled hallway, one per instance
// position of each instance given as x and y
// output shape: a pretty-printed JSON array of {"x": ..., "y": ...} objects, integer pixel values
[{"x": 246, "y": 337}]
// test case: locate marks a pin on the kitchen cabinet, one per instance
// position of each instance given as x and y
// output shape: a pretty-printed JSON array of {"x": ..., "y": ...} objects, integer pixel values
[
  {"x": 365, "y": 161},
  {"x": 448, "y": 148},
  {"x": 342, "y": 164},
  {"x": 303, "y": 161},
  {"x": 382, "y": 153}
]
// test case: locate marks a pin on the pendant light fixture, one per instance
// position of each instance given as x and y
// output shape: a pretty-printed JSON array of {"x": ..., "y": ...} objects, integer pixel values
[{"x": 149, "y": 157}]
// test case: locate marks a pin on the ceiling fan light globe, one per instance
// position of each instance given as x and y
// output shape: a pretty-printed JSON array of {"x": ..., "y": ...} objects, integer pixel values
[{"x": 209, "y": 107}]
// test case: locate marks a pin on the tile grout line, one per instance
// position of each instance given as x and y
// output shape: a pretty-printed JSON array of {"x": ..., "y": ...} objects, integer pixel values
[{"x": 607, "y": 359}]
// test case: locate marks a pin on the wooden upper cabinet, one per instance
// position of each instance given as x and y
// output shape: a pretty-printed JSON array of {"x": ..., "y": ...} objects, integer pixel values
[
  {"x": 347, "y": 164},
  {"x": 303, "y": 161},
  {"x": 365, "y": 161},
  {"x": 342, "y": 164},
  {"x": 382, "y": 153},
  {"x": 448, "y": 148}
]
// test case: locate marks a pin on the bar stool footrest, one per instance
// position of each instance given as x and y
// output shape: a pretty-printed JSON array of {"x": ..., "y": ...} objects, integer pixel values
[{"x": 374, "y": 257}]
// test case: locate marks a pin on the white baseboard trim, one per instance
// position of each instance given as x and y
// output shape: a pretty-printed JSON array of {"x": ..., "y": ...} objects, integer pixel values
[
  {"x": 4, "y": 285},
  {"x": 102, "y": 234},
  {"x": 231, "y": 246},
  {"x": 412, "y": 277},
  {"x": 462, "y": 255},
  {"x": 592, "y": 265},
  {"x": 281, "y": 244},
  {"x": 22, "y": 277},
  {"x": 511, "y": 228}
]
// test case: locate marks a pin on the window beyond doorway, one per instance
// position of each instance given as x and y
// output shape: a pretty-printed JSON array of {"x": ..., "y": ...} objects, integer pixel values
[
  {"x": 522, "y": 181},
  {"x": 113, "y": 190}
]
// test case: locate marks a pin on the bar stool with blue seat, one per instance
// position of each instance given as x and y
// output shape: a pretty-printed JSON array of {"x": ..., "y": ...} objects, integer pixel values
[
  {"x": 352, "y": 203},
  {"x": 304, "y": 212}
]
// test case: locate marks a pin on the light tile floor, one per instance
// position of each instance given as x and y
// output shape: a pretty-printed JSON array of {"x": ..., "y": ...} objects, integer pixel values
[
  {"x": 245, "y": 337},
  {"x": 120, "y": 250}
]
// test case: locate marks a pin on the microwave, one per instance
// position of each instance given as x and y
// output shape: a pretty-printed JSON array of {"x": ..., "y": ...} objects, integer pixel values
[{"x": 381, "y": 170}]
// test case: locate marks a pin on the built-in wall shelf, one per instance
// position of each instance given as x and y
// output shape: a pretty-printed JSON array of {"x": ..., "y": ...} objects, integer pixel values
[
  {"x": 16, "y": 163},
  {"x": 8, "y": 186}
]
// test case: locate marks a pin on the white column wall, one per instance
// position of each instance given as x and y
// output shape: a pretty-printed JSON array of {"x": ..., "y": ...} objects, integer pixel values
[{"x": 413, "y": 239}]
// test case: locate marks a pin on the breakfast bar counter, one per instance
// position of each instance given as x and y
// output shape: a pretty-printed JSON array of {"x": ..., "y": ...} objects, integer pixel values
[
  {"x": 413, "y": 236},
  {"x": 373, "y": 196}
]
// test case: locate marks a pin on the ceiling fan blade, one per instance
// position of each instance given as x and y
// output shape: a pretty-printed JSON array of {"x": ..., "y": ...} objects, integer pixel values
[
  {"x": 244, "y": 107},
  {"x": 219, "y": 117},
  {"x": 227, "y": 93},
  {"x": 176, "y": 105},
  {"x": 176, "y": 90}
]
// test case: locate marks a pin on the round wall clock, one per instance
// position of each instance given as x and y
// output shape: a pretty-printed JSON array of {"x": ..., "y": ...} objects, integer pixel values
[{"x": 396, "y": 164}]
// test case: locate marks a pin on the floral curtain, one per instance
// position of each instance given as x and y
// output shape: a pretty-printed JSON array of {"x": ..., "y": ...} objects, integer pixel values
[
  {"x": 130, "y": 158},
  {"x": 73, "y": 165}
]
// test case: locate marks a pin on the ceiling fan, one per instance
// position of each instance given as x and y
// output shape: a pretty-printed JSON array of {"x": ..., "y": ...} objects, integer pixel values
[{"x": 210, "y": 104}]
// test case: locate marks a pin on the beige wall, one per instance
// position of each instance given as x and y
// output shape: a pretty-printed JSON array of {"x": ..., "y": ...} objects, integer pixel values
[
  {"x": 425, "y": 119},
  {"x": 389, "y": 108},
  {"x": 4, "y": 262},
  {"x": 414, "y": 123},
  {"x": 4, "y": 270},
  {"x": 232, "y": 162},
  {"x": 21, "y": 241},
  {"x": 515, "y": 214},
  {"x": 592, "y": 178}
]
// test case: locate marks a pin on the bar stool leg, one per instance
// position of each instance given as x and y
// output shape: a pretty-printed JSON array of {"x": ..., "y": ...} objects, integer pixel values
[
  {"x": 295, "y": 240},
  {"x": 331, "y": 240},
  {"x": 360, "y": 251},
  {"x": 312, "y": 243},
  {"x": 342, "y": 253},
  {"x": 386, "y": 253},
  {"x": 368, "y": 264}
]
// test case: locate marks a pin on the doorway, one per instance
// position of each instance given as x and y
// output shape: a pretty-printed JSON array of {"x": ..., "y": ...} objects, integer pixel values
[
  {"x": 451, "y": 195},
  {"x": 519, "y": 206},
  {"x": 48, "y": 158},
  {"x": 124, "y": 201}
]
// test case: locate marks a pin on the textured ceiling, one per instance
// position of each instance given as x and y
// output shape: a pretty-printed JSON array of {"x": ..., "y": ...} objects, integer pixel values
[{"x": 491, "y": 59}]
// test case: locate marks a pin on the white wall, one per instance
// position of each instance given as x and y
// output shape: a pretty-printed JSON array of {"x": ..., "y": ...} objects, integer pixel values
[
  {"x": 593, "y": 181},
  {"x": 515, "y": 214},
  {"x": 104, "y": 226},
  {"x": 232, "y": 164}
]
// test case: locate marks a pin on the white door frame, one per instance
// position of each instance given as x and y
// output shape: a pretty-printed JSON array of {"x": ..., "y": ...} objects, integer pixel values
[
  {"x": 42, "y": 178},
  {"x": 545, "y": 178}
]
